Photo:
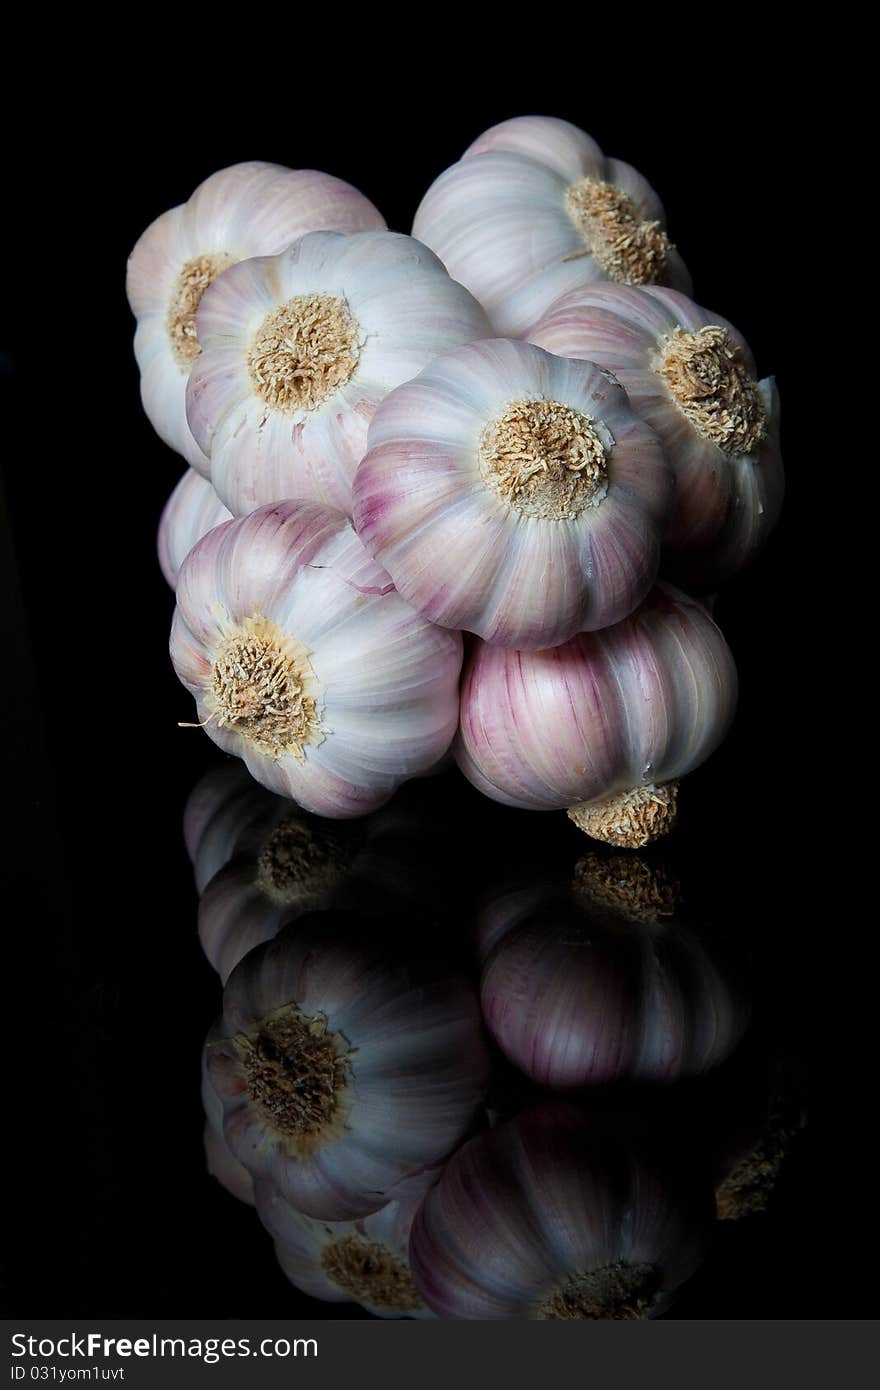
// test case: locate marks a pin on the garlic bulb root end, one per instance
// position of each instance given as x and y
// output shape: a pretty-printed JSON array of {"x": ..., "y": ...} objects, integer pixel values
[
  {"x": 630, "y": 819},
  {"x": 616, "y": 1291},
  {"x": 630, "y": 251},
  {"x": 297, "y": 1072},
  {"x": 748, "y": 1187},
  {"x": 371, "y": 1274},
  {"x": 263, "y": 687},
  {"x": 710, "y": 383},
  {"x": 195, "y": 277},
  {"x": 304, "y": 351}
]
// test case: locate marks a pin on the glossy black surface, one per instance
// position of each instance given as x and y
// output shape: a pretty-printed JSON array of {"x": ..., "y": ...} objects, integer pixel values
[{"x": 108, "y": 995}]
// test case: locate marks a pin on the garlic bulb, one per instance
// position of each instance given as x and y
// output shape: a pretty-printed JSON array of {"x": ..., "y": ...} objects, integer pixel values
[
  {"x": 346, "y": 1069},
  {"x": 599, "y": 984},
  {"x": 192, "y": 510},
  {"x": 306, "y": 663},
  {"x": 690, "y": 375},
  {"x": 546, "y": 1218},
  {"x": 220, "y": 807},
  {"x": 535, "y": 192},
  {"x": 299, "y": 349},
  {"x": 365, "y": 1261},
  {"x": 514, "y": 494},
  {"x": 252, "y": 209},
  {"x": 604, "y": 725}
]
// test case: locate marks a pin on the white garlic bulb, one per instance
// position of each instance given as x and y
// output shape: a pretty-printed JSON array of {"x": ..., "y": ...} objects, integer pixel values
[
  {"x": 251, "y": 209},
  {"x": 532, "y": 193},
  {"x": 514, "y": 494},
  {"x": 299, "y": 349},
  {"x": 365, "y": 1261},
  {"x": 192, "y": 510},
  {"x": 306, "y": 663},
  {"x": 690, "y": 375},
  {"x": 345, "y": 1068}
]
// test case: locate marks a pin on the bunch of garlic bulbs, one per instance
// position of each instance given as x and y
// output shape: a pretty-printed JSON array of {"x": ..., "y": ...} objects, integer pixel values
[{"x": 513, "y": 424}]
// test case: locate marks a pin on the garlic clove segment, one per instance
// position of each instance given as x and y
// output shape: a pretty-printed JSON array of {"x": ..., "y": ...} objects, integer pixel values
[
  {"x": 598, "y": 983},
  {"x": 533, "y": 193},
  {"x": 691, "y": 376},
  {"x": 603, "y": 725},
  {"x": 306, "y": 663},
  {"x": 299, "y": 349},
  {"x": 192, "y": 510},
  {"x": 220, "y": 1161},
  {"x": 365, "y": 1261},
  {"x": 545, "y": 1218},
  {"x": 249, "y": 209},
  {"x": 346, "y": 1068},
  {"x": 513, "y": 493},
  {"x": 221, "y": 807}
]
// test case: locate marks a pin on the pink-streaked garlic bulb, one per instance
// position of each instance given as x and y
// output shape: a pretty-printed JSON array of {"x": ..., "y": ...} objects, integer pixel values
[
  {"x": 251, "y": 209},
  {"x": 222, "y": 805},
  {"x": 365, "y": 1261},
  {"x": 536, "y": 192},
  {"x": 220, "y": 1161},
  {"x": 305, "y": 662},
  {"x": 598, "y": 984},
  {"x": 346, "y": 1069},
  {"x": 605, "y": 725},
  {"x": 299, "y": 349},
  {"x": 192, "y": 510},
  {"x": 690, "y": 375},
  {"x": 545, "y": 1218},
  {"x": 514, "y": 494}
]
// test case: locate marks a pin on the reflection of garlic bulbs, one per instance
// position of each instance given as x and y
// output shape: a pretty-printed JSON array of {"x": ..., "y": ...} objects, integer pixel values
[
  {"x": 514, "y": 494},
  {"x": 220, "y": 807},
  {"x": 543, "y": 1218},
  {"x": 252, "y": 209},
  {"x": 603, "y": 725},
  {"x": 299, "y": 349},
  {"x": 691, "y": 377},
  {"x": 192, "y": 510},
  {"x": 345, "y": 1069},
  {"x": 602, "y": 985},
  {"x": 305, "y": 662},
  {"x": 534, "y": 192},
  {"x": 365, "y": 1261}
]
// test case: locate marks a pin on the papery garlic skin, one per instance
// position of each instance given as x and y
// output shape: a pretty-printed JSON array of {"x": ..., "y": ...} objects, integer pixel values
[
  {"x": 192, "y": 510},
  {"x": 508, "y": 211},
  {"x": 368, "y": 688},
  {"x": 219, "y": 1158},
  {"x": 250, "y": 209},
  {"x": 718, "y": 424},
  {"x": 346, "y": 1070},
  {"x": 544, "y": 1218},
  {"x": 578, "y": 994},
  {"x": 299, "y": 349},
  {"x": 348, "y": 1261},
  {"x": 614, "y": 714},
  {"x": 564, "y": 538}
]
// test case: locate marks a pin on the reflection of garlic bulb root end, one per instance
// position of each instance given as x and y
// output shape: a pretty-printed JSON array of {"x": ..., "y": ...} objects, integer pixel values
[
  {"x": 299, "y": 861},
  {"x": 629, "y": 250},
  {"x": 297, "y": 1073},
  {"x": 627, "y": 886},
  {"x": 371, "y": 1274},
  {"x": 748, "y": 1187},
  {"x": 615, "y": 1291},
  {"x": 629, "y": 820}
]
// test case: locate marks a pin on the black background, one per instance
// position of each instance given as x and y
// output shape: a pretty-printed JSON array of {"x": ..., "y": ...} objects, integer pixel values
[{"x": 108, "y": 996}]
